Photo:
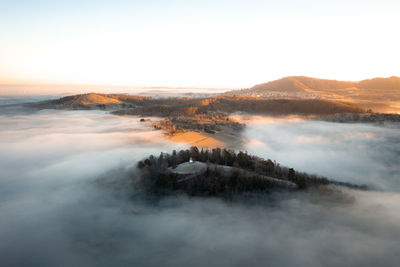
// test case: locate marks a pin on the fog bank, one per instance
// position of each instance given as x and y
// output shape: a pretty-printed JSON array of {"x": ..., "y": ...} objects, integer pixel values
[
  {"x": 65, "y": 198},
  {"x": 357, "y": 153}
]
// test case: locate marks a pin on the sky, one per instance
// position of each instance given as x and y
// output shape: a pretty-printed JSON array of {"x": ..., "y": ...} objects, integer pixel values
[{"x": 219, "y": 43}]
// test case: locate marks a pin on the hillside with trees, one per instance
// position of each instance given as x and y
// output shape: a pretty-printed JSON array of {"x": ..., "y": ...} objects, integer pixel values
[
  {"x": 175, "y": 106},
  {"x": 227, "y": 173},
  {"x": 378, "y": 94},
  {"x": 301, "y": 86}
]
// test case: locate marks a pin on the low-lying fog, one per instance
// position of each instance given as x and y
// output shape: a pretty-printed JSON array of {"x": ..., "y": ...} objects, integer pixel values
[
  {"x": 62, "y": 203},
  {"x": 357, "y": 153}
]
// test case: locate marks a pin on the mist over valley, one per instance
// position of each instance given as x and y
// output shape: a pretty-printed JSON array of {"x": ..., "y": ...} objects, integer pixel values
[{"x": 67, "y": 195}]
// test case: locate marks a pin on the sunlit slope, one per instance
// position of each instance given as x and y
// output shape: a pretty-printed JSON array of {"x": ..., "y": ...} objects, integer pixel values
[
  {"x": 88, "y": 99},
  {"x": 94, "y": 100},
  {"x": 377, "y": 93},
  {"x": 164, "y": 107}
]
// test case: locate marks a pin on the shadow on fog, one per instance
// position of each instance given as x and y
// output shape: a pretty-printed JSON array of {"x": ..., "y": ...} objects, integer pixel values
[{"x": 55, "y": 210}]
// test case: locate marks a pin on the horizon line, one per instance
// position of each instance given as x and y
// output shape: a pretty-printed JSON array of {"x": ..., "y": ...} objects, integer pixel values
[{"x": 149, "y": 87}]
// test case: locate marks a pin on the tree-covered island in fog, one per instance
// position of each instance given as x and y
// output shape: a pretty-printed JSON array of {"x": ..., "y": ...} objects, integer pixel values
[{"x": 223, "y": 173}]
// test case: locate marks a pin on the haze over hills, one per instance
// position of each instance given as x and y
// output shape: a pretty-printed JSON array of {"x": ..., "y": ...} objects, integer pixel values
[{"x": 380, "y": 94}]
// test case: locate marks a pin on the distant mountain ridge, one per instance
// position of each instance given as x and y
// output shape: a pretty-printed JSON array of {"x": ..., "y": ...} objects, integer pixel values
[
  {"x": 293, "y": 85},
  {"x": 368, "y": 93}
]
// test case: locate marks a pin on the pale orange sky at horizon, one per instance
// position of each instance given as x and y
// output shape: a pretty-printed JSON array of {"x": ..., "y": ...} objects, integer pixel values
[
  {"x": 66, "y": 89},
  {"x": 218, "y": 44}
]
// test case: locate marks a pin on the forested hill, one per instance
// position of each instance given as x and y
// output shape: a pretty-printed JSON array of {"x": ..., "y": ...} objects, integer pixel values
[
  {"x": 221, "y": 172},
  {"x": 300, "y": 86}
]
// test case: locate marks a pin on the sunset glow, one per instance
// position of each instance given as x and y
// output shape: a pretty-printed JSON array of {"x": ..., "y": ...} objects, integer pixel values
[{"x": 196, "y": 43}]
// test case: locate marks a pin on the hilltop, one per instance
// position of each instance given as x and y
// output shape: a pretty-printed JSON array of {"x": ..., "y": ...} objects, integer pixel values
[
  {"x": 222, "y": 173},
  {"x": 93, "y": 101},
  {"x": 377, "y": 88},
  {"x": 376, "y": 93}
]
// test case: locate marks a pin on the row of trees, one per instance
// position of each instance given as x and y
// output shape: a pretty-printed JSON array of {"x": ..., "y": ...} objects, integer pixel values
[{"x": 213, "y": 182}]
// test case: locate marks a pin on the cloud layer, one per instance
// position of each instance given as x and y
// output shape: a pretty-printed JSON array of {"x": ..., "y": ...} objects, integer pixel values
[
  {"x": 357, "y": 153},
  {"x": 65, "y": 199}
]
